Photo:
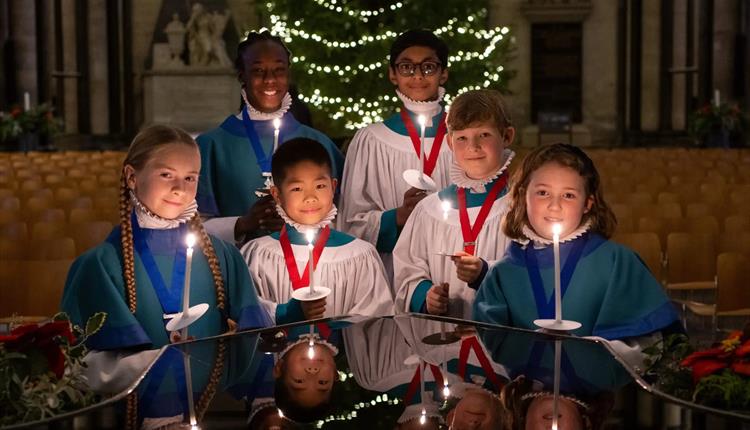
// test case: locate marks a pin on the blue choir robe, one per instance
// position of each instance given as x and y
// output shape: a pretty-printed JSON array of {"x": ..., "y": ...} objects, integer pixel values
[
  {"x": 230, "y": 173},
  {"x": 95, "y": 284},
  {"x": 611, "y": 292}
]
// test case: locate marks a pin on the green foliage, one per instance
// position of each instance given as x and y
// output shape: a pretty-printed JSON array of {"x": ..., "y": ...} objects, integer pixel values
[
  {"x": 340, "y": 52},
  {"x": 663, "y": 367},
  {"x": 725, "y": 390},
  {"x": 711, "y": 119},
  {"x": 39, "y": 119},
  {"x": 31, "y": 388}
]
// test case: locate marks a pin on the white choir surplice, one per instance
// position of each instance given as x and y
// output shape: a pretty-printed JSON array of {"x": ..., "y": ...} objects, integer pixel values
[
  {"x": 373, "y": 185},
  {"x": 426, "y": 234},
  {"x": 352, "y": 270}
]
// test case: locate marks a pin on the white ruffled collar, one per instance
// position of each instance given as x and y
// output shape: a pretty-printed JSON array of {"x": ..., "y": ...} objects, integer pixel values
[
  {"x": 302, "y": 228},
  {"x": 148, "y": 219},
  {"x": 428, "y": 108},
  {"x": 413, "y": 412},
  {"x": 257, "y": 115},
  {"x": 258, "y": 405},
  {"x": 459, "y": 177},
  {"x": 540, "y": 242},
  {"x": 315, "y": 338}
]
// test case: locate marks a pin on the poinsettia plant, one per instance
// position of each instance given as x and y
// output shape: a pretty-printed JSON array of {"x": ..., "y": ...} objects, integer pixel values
[
  {"x": 718, "y": 376},
  {"x": 41, "y": 369},
  {"x": 712, "y": 118}
]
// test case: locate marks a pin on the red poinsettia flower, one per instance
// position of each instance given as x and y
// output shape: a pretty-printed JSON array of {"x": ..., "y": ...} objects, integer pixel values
[
  {"x": 41, "y": 338},
  {"x": 15, "y": 112},
  {"x": 730, "y": 353}
]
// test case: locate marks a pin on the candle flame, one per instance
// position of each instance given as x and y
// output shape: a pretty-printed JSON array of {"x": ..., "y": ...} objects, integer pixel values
[
  {"x": 281, "y": 414},
  {"x": 556, "y": 229},
  {"x": 423, "y": 417},
  {"x": 446, "y": 391},
  {"x": 310, "y": 236},
  {"x": 276, "y": 123},
  {"x": 422, "y": 120},
  {"x": 310, "y": 352},
  {"x": 190, "y": 240}
]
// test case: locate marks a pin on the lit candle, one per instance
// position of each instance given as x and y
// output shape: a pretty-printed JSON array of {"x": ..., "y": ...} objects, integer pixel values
[
  {"x": 422, "y": 121},
  {"x": 26, "y": 101},
  {"x": 556, "y": 384},
  {"x": 717, "y": 98},
  {"x": 310, "y": 235},
  {"x": 276, "y": 126},
  {"x": 446, "y": 205},
  {"x": 190, "y": 242},
  {"x": 556, "y": 228},
  {"x": 189, "y": 386},
  {"x": 423, "y": 417}
]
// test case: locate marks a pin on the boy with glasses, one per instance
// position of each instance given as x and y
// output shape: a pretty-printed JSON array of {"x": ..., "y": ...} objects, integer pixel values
[{"x": 375, "y": 199}]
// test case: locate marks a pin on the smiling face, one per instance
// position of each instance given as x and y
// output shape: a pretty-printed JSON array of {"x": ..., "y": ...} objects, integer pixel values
[
  {"x": 418, "y": 87},
  {"x": 556, "y": 195},
  {"x": 168, "y": 181},
  {"x": 306, "y": 194},
  {"x": 265, "y": 75},
  {"x": 476, "y": 410},
  {"x": 478, "y": 149},
  {"x": 309, "y": 380}
]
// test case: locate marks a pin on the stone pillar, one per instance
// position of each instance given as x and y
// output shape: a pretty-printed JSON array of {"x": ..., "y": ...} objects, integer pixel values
[
  {"x": 679, "y": 58},
  {"x": 70, "y": 73},
  {"x": 145, "y": 15},
  {"x": 725, "y": 29},
  {"x": 650, "y": 56},
  {"x": 23, "y": 36},
  {"x": 99, "y": 86}
]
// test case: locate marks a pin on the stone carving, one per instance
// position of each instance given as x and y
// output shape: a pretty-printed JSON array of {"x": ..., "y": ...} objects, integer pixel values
[
  {"x": 175, "y": 32},
  {"x": 205, "y": 43}
]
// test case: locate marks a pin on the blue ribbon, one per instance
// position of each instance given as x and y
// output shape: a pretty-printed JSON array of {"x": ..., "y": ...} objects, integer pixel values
[
  {"x": 264, "y": 161},
  {"x": 170, "y": 299},
  {"x": 546, "y": 308},
  {"x": 172, "y": 358}
]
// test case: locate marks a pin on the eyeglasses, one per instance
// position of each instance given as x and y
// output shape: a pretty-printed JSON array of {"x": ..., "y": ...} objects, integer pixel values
[{"x": 428, "y": 68}]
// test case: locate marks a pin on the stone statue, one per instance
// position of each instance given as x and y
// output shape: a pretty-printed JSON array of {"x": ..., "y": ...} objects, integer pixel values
[
  {"x": 205, "y": 43},
  {"x": 175, "y": 32}
]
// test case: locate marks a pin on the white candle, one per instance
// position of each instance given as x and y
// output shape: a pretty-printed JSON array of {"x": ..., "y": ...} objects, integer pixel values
[
  {"x": 556, "y": 384},
  {"x": 556, "y": 228},
  {"x": 422, "y": 121},
  {"x": 190, "y": 242},
  {"x": 310, "y": 235},
  {"x": 446, "y": 205},
  {"x": 26, "y": 101},
  {"x": 276, "y": 126},
  {"x": 717, "y": 98},
  {"x": 189, "y": 386}
]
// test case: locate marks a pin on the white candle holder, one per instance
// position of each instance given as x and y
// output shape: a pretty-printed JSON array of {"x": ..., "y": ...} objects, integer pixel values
[
  {"x": 558, "y": 324},
  {"x": 419, "y": 180},
  {"x": 184, "y": 319},
  {"x": 307, "y": 294}
]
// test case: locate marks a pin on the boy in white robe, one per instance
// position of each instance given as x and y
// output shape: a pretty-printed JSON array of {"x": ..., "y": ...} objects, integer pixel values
[
  {"x": 375, "y": 199},
  {"x": 444, "y": 249},
  {"x": 351, "y": 268}
]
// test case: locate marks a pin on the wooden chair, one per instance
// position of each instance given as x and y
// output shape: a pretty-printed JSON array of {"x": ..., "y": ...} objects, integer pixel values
[
  {"x": 706, "y": 224},
  {"x": 691, "y": 262},
  {"x": 640, "y": 199},
  {"x": 695, "y": 209},
  {"x": 44, "y": 281},
  {"x": 55, "y": 248},
  {"x": 11, "y": 294},
  {"x": 668, "y": 197},
  {"x": 81, "y": 215},
  {"x": 661, "y": 227},
  {"x": 15, "y": 230},
  {"x": 10, "y": 203},
  {"x": 738, "y": 242},
  {"x": 11, "y": 249},
  {"x": 9, "y": 215},
  {"x": 45, "y": 230},
  {"x": 89, "y": 234},
  {"x": 736, "y": 223},
  {"x": 7, "y": 192},
  {"x": 732, "y": 292},
  {"x": 647, "y": 246}
]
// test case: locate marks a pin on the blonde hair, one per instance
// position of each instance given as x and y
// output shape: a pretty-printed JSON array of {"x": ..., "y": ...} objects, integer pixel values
[
  {"x": 478, "y": 106},
  {"x": 145, "y": 146},
  {"x": 602, "y": 218}
]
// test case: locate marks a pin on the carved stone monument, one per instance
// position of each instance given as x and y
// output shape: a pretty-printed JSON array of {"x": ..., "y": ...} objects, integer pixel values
[{"x": 199, "y": 93}]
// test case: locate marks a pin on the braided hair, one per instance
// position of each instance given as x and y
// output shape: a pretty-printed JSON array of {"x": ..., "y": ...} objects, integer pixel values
[{"x": 144, "y": 147}]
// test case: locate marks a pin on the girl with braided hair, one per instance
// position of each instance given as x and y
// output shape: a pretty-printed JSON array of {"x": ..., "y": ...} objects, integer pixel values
[
  {"x": 137, "y": 275},
  {"x": 237, "y": 154}
]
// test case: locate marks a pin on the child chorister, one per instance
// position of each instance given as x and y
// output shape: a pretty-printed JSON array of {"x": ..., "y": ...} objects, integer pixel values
[
  {"x": 375, "y": 199},
  {"x": 279, "y": 263},
  {"x": 237, "y": 154},
  {"x": 605, "y": 286},
  {"x": 444, "y": 249},
  {"x": 137, "y": 275}
]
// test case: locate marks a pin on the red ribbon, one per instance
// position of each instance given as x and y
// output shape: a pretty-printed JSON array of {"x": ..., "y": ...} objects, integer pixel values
[
  {"x": 431, "y": 160},
  {"x": 468, "y": 231},
  {"x": 291, "y": 264},
  {"x": 463, "y": 358},
  {"x": 415, "y": 383}
]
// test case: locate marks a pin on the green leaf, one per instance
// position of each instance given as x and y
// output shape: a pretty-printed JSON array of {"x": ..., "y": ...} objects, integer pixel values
[
  {"x": 61, "y": 316},
  {"x": 95, "y": 323}
]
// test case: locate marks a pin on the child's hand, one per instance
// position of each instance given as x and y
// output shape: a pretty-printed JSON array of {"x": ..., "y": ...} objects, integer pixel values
[
  {"x": 176, "y": 337},
  {"x": 437, "y": 299},
  {"x": 468, "y": 267},
  {"x": 232, "y": 326},
  {"x": 261, "y": 216},
  {"x": 314, "y": 309},
  {"x": 412, "y": 196}
]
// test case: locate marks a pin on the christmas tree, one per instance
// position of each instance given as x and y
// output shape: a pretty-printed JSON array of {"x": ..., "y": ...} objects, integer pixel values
[{"x": 340, "y": 52}]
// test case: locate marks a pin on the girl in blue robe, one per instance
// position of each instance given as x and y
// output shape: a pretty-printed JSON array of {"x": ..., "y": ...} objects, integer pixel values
[
  {"x": 237, "y": 154},
  {"x": 605, "y": 286},
  {"x": 137, "y": 275}
]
